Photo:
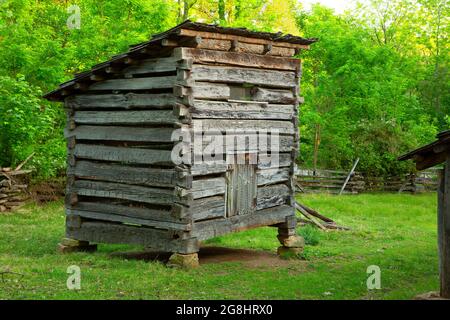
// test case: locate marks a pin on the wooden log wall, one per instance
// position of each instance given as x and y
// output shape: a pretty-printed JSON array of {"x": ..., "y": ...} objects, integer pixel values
[
  {"x": 122, "y": 184},
  {"x": 240, "y": 91}
]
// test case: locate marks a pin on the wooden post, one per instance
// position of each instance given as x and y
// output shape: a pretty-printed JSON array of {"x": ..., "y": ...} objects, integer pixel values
[
  {"x": 349, "y": 176},
  {"x": 444, "y": 229}
]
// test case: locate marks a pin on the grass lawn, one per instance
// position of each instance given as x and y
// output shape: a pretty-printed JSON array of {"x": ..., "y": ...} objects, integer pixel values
[{"x": 395, "y": 232}]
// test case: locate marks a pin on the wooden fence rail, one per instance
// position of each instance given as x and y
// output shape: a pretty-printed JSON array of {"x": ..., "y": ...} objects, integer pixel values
[{"x": 331, "y": 181}]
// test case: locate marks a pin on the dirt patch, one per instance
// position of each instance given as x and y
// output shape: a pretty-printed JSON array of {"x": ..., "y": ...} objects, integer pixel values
[{"x": 209, "y": 254}]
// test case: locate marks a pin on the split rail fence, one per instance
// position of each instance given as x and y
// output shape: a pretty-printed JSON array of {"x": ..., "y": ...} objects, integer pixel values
[{"x": 331, "y": 181}]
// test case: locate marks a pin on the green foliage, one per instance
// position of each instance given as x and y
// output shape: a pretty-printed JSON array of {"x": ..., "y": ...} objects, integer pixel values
[
  {"x": 367, "y": 88},
  {"x": 373, "y": 88},
  {"x": 311, "y": 235}
]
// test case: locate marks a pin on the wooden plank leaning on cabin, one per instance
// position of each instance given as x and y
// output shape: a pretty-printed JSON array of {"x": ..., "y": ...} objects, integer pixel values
[
  {"x": 270, "y": 78},
  {"x": 242, "y": 59},
  {"x": 164, "y": 240},
  {"x": 213, "y": 228}
]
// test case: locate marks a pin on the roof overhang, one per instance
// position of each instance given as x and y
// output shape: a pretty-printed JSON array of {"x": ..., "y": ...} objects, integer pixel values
[
  {"x": 185, "y": 34},
  {"x": 431, "y": 154}
]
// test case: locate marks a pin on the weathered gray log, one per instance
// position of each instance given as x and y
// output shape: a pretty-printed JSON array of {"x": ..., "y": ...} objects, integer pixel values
[
  {"x": 121, "y": 154},
  {"x": 164, "y": 82},
  {"x": 205, "y": 168},
  {"x": 272, "y": 176},
  {"x": 272, "y": 196},
  {"x": 132, "y": 210},
  {"x": 207, "y": 208},
  {"x": 126, "y": 117},
  {"x": 242, "y": 142},
  {"x": 241, "y": 110},
  {"x": 116, "y": 133},
  {"x": 273, "y": 95},
  {"x": 237, "y": 59},
  {"x": 120, "y": 101},
  {"x": 208, "y": 187},
  {"x": 213, "y": 228},
  {"x": 444, "y": 229},
  {"x": 283, "y": 127},
  {"x": 167, "y": 177},
  {"x": 100, "y": 232},
  {"x": 124, "y": 192},
  {"x": 282, "y": 79},
  {"x": 106, "y": 216},
  {"x": 167, "y": 64},
  {"x": 205, "y": 90}
]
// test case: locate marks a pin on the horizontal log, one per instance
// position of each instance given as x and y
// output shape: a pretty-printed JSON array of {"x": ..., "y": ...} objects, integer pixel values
[
  {"x": 242, "y": 142},
  {"x": 273, "y": 95},
  {"x": 272, "y": 216},
  {"x": 109, "y": 216},
  {"x": 167, "y": 177},
  {"x": 101, "y": 232},
  {"x": 126, "y": 117},
  {"x": 208, "y": 187},
  {"x": 217, "y": 91},
  {"x": 242, "y": 59},
  {"x": 272, "y": 176},
  {"x": 283, "y": 127},
  {"x": 284, "y": 79},
  {"x": 121, "y": 154},
  {"x": 245, "y": 39},
  {"x": 271, "y": 196},
  {"x": 124, "y": 192},
  {"x": 207, "y": 208},
  {"x": 120, "y": 101},
  {"x": 116, "y": 133},
  {"x": 167, "y": 64},
  {"x": 133, "y": 210},
  {"x": 241, "y": 110},
  {"x": 164, "y": 82}
]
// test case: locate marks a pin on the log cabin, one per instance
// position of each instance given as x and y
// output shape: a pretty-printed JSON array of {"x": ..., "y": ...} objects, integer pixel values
[{"x": 139, "y": 127}]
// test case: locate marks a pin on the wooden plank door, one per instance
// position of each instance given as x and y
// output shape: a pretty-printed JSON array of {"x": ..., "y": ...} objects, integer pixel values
[{"x": 241, "y": 189}]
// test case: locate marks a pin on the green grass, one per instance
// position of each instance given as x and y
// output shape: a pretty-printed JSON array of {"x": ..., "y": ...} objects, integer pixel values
[{"x": 395, "y": 232}]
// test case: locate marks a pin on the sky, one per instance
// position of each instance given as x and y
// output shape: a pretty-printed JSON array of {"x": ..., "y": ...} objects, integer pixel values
[{"x": 338, "y": 5}]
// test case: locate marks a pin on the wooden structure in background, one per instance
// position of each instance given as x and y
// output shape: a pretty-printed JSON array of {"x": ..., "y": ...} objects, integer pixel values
[
  {"x": 427, "y": 156},
  {"x": 122, "y": 184}
]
